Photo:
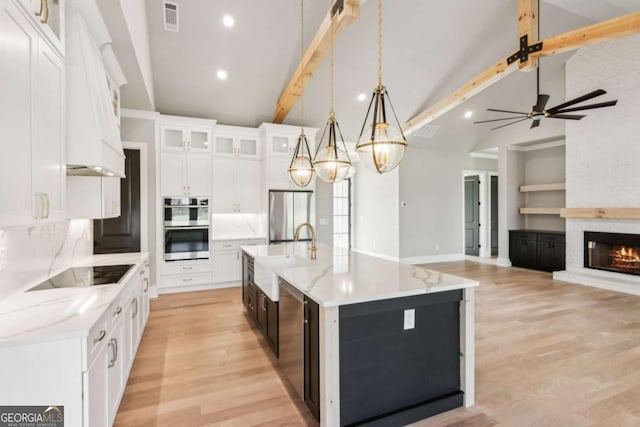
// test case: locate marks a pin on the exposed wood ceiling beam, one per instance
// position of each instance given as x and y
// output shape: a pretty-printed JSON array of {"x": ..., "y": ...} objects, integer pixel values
[
  {"x": 312, "y": 58},
  {"x": 528, "y": 25},
  {"x": 603, "y": 31}
]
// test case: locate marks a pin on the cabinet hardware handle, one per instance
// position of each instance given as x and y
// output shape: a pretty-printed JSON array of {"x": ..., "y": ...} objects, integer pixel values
[
  {"x": 306, "y": 321},
  {"x": 237, "y": 255},
  {"x": 187, "y": 280},
  {"x": 187, "y": 268},
  {"x": 39, "y": 13},
  {"x": 103, "y": 333},
  {"x": 46, "y": 204},
  {"x": 135, "y": 313},
  {"x": 46, "y": 12},
  {"x": 264, "y": 303},
  {"x": 118, "y": 311},
  {"x": 146, "y": 282},
  {"x": 114, "y": 345}
]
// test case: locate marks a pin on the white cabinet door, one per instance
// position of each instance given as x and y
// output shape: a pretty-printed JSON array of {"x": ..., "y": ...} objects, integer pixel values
[
  {"x": 173, "y": 176},
  {"x": 110, "y": 197},
  {"x": 224, "y": 185},
  {"x": 136, "y": 323},
  {"x": 227, "y": 266},
  {"x": 248, "y": 147},
  {"x": 199, "y": 175},
  {"x": 95, "y": 396},
  {"x": 199, "y": 139},
  {"x": 18, "y": 56},
  {"x": 173, "y": 138},
  {"x": 281, "y": 145},
  {"x": 225, "y": 146},
  {"x": 248, "y": 174},
  {"x": 279, "y": 174},
  {"x": 115, "y": 370}
]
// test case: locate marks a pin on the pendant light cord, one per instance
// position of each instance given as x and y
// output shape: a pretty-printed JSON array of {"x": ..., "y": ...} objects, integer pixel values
[
  {"x": 379, "y": 42},
  {"x": 302, "y": 70},
  {"x": 332, "y": 112}
]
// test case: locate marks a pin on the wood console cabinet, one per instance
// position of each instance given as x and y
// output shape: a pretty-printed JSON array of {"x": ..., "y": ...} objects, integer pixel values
[{"x": 538, "y": 250}]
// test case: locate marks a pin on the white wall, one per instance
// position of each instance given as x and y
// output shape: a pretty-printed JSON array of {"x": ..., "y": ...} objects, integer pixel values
[
  {"x": 603, "y": 149},
  {"x": 36, "y": 253},
  {"x": 324, "y": 212},
  {"x": 431, "y": 186},
  {"x": 375, "y": 212}
]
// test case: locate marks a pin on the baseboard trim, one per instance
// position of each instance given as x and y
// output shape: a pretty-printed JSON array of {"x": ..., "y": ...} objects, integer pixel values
[
  {"x": 481, "y": 260},
  {"x": 432, "y": 259},
  {"x": 614, "y": 284},
  {"x": 503, "y": 262},
  {"x": 376, "y": 255},
  {"x": 196, "y": 288}
]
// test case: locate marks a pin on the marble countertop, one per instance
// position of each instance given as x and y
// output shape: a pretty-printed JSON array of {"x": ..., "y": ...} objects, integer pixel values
[
  {"x": 62, "y": 313},
  {"x": 340, "y": 277}
]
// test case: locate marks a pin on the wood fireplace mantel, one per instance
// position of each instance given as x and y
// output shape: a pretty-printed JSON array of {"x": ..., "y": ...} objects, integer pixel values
[{"x": 604, "y": 213}]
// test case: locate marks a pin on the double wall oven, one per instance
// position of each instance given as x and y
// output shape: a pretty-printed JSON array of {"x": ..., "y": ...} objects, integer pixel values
[{"x": 186, "y": 228}]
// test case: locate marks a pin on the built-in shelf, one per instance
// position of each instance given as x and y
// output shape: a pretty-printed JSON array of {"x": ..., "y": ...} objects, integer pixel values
[
  {"x": 540, "y": 211},
  {"x": 559, "y": 186},
  {"x": 605, "y": 213}
]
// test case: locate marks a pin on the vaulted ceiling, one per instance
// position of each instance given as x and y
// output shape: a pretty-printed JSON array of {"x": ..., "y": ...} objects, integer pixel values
[{"x": 429, "y": 49}]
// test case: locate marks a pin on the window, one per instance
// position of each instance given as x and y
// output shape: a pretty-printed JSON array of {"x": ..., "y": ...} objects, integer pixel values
[{"x": 342, "y": 214}]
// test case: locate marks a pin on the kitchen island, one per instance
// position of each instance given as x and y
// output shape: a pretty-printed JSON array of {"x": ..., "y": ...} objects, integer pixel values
[{"x": 377, "y": 342}]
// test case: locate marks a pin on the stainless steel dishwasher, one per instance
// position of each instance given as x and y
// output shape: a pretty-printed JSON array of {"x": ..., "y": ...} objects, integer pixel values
[{"x": 292, "y": 335}]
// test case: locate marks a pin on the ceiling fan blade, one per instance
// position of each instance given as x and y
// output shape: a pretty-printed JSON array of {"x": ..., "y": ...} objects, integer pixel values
[
  {"x": 535, "y": 124},
  {"x": 512, "y": 123},
  {"x": 541, "y": 103},
  {"x": 588, "y": 107},
  {"x": 506, "y": 111},
  {"x": 497, "y": 120},
  {"x": 565, "y": 116},
  {"x": 577, "y": 100}
]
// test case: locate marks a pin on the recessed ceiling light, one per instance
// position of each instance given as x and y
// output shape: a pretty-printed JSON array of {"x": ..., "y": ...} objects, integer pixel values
[
  {"x": 222, "y": 74},
  {"x": 228, "y": 21},
  {"x": 362, "y": 97},
  {"x": 468, "y": 114}
]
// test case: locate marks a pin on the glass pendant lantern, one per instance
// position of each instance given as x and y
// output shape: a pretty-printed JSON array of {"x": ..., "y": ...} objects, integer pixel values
[
  {"x": 381, "y": 145},
  {"x": 331, "y": 161},
  {"x": 301, "y": 170}
]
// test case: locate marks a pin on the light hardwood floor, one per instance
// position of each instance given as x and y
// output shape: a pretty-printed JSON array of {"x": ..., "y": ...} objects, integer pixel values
[{"x": 547, "y": 353}]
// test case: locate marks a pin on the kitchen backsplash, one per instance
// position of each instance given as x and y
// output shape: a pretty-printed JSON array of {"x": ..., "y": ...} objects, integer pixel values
[
  {"x": 235, "y": 225},
  {"x": 35, "y": 253}
]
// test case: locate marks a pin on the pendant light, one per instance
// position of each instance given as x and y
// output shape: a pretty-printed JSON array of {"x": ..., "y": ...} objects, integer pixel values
[
  {"x": 331, "y": 162},
  {"x": 301, "y": 169},
  {"x": 381, "y": 145}
]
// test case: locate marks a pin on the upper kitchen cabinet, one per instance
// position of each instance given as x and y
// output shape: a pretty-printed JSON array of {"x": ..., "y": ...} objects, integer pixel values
[
  {"x": 49, "y": 17},
  {"x": 281, "y": 141},
  {"x": 232, "y": 141},
  {"x": 32, "y": 116},
  {"x": 186, "y": 138},
  {"x": 185, "y": 174}
]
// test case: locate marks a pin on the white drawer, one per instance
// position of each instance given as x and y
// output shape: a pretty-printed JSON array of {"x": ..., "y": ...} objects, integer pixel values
[
  {"x": 115, "y": 312},
  {"x": 186, "y": 267},
  {"x": 253, "y": 242},
  {"x": 186, "y": 280},
  {"x": 227, "y": 245}
]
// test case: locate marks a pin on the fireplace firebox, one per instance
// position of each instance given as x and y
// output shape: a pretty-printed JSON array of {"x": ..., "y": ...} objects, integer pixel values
[{"x": 615, "y": 252}]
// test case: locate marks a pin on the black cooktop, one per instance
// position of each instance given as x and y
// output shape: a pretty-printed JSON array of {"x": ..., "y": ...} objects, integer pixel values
[{"x": 85, "y": 276}]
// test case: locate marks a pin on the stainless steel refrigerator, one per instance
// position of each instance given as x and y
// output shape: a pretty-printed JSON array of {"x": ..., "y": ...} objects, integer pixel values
[{"x": 287, "y": 210}]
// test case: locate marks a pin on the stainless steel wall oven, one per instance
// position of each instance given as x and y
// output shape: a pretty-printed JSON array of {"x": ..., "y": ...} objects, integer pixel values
[{"x": 186, "y": 228}]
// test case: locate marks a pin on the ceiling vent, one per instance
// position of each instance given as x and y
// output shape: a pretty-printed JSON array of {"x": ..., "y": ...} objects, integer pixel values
[
  {"x": 170, "y": 16},
  {"x": 427, "y": 131}
]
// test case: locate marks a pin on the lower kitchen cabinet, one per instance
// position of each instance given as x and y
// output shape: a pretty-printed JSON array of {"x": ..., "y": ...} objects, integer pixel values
[
  {"x": 312, "y": 356},
  {"x": 538, "y": 250},
  {"x": 260, "y": 308},
  {"x": 115, "y": 369}
]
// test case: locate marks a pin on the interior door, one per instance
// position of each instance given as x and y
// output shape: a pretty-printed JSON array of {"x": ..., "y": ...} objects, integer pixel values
[
  {"x": 472, "y": 215},
  {"x": 122, "y": 234},
  {"x": 494, "y": 215}
]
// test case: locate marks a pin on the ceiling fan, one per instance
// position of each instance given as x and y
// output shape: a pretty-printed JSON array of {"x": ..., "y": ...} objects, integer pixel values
[{"x": 539, "y": 111}]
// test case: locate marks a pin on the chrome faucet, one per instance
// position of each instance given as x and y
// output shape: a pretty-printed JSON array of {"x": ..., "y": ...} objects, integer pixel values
[{"x": 296, "y": 235}]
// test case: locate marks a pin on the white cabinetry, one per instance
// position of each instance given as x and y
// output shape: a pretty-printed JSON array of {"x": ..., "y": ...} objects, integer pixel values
[
  {"x": 32, "y": 121},
  {"x": 185, "y": 168},
  {"x": 103, "y": 203},
  {"x": 116, "y": 375},
  {"x": 237, "y": 170},
  {"x": 227, "y": 259},
  {"x": 185, "y": 174},
  {"x": 49, "y": 17}
]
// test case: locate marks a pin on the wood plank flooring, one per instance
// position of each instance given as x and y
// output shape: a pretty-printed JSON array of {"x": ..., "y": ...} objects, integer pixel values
[{"x": 547, "y": 353}]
